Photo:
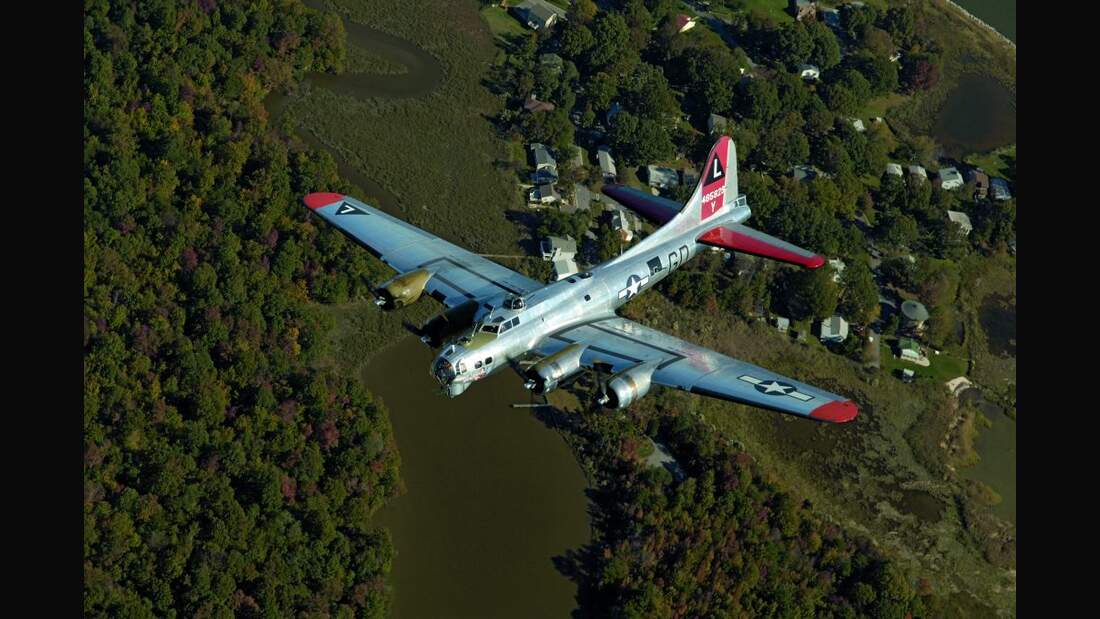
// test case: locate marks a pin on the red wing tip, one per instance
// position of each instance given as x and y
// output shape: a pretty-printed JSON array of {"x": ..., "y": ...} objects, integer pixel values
[
  {"x": 836, "y": 412},
  {"x": 319, "y": 199},
  {"x": 815, "y": 262}
]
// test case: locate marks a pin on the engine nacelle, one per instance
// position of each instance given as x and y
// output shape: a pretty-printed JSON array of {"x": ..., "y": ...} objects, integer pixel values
[
  {"x": 628, "y": 386},
  {"x": 449, "y": 323},
  {"x": 402, "y": 290},
  {"x": 545, "y": 375}
]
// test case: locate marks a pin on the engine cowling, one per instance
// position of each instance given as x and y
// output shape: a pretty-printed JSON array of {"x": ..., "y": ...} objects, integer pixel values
[
  {"x": 628, "y": 386},
  {"x": 449, "y": 323},
  {"x": 402, "y": 290},
  {"x": 545, "y": 375}
]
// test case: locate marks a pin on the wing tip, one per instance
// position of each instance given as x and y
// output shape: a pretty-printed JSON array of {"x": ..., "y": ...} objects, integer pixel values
[
  {"x": 814, "y": 262},
  {"x": 319, "y": 199},
  {"x": 840, "y": 411}
]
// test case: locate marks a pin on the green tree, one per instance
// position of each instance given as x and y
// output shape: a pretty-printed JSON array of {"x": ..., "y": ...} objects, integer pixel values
[{"x": 859, "y": 298}]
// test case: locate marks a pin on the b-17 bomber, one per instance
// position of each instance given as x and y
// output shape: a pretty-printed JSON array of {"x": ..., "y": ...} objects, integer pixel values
[{"x": 497, "y": 318}]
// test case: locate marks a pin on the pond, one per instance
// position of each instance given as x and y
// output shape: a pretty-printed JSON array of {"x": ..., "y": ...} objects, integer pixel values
[{"x": 978, "y": 116}]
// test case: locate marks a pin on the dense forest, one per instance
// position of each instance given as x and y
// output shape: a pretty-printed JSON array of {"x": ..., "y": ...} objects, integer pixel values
[
  {"x": 719, "y": 539},
  {"x": 222, "y": 475}
]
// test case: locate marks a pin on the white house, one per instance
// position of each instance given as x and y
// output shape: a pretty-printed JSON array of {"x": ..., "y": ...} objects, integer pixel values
[
  {"x": 950, "y": 178},
  {"x": 809, "y": 72},
  {"x": 858, "y": 124},
  {"x": 607, "y": 165},
  {"x": 717, "y": 124},
  {"x": 893, "y": 168},
  {"x": 962, "y": 219},
  {"x": 545, "y": 164},
  {"x": 620, "y": 222},
  {"x": 838, "y": 266},
  {"x": 684, "y": 23},
  {"x": 662, "y": 178},
  {"x": 537, "y": 14},
  {"x": 558, "y": 248},
  {"x": 918, "y": 171},
  {"x": 544, "y": 193},
  {"x": 835, "y": 329},
  {"x": 782, "y": 323}
]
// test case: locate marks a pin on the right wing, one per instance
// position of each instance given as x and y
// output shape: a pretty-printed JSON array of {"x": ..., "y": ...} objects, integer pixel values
[
  {"x": 458, "y": 275},
  {"x": 742, "y": 238},
  {"x": 621, "y": 344}
]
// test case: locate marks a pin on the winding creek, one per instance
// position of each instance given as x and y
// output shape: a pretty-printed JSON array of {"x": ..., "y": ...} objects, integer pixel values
[{"x": 493, "y": 496}]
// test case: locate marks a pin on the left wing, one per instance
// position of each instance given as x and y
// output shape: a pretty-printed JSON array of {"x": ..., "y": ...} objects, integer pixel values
[
  {"x": 458, "y": 275},
  {"x": 623, "y": 343}
]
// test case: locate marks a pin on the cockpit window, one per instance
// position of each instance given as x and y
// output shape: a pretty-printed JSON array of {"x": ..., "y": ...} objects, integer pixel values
[
  {"x": 490, "y": 329},
  {"x": 515, "y": 303}
]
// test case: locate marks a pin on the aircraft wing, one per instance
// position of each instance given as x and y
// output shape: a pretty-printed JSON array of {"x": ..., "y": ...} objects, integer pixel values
[
  {"x": 623, "y": 343},
  {"x": 457, "y": 274}
]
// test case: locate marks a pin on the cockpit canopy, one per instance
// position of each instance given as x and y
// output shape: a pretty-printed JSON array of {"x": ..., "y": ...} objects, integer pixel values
[{"x": 498, "y": 325}]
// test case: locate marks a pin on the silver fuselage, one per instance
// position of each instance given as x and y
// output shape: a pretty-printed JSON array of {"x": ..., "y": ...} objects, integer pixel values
[{"x": 578, "y": 299}]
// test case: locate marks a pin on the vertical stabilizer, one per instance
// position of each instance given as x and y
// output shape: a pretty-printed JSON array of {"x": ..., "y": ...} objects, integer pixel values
[{"x": 717, "y": 186}]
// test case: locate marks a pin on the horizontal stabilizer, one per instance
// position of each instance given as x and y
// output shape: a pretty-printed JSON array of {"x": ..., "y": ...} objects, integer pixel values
[
  {"x": 746, "y": 240},
  {"x": 656, "y": 209}
]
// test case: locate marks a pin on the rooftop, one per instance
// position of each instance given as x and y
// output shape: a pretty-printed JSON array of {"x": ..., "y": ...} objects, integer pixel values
[{"x": 914, "y": 310}]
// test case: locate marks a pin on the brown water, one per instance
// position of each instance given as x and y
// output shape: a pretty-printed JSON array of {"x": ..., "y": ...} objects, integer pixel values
[
  {"x": 979, "y": 115},
  {"x": 493, "y": 495}
]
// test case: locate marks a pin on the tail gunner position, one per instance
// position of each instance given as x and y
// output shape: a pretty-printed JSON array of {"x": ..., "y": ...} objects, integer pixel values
[{"x": 495, "y": 317}]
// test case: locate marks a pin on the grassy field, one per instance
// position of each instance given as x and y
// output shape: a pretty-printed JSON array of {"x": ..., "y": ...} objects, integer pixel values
[
  {"x": 776, "y": 9},
  {"x": 438, "y": 154},
  {"x": 1000, "y": 162},
  {"x": 501, "y": 23}
]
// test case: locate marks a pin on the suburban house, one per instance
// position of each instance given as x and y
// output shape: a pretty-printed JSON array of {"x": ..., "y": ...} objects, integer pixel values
[
  {"x": 908, "y": 349},
  {"x": 962, "y": 219},
  {"x": 545, "y": 165},
  {"x": 562, "y": 252},
  {"x": 620, "y": 222},
  {"x": 981, "y": 183},
  {"x": 803, "y": 173},
  {"x": 950, "y": 179},
  {"x": 539, "y": 14},
  {"x": 662, "y": 178},
  {"x": 683, "y": 23},
  {"x": 717, "y": 124},
  {"x": 913, "y": 315},
  {"x": 551, "y": 63},
  {"x": 999, "y": 188},
  {"x": 809, "y": 72},
  {"x": 918, "y": 171},
  {"x": 558, "y": 248},
  {"x": 907, "y": 375},
  {"x": 801, "y": 9},
  {"x": 857, "y": 123},
  {"x": 782, "y": 323},
  {"x": 838, "y": 266},
  {"x": 834, "y": 329},
  {"x": 543, "y": 193},
  {"x": 831, "y": 17},
  {"x": 893, "y": 168},
  {"x": 532, "y": 105},
  {"x": 607, "y": 165}
]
